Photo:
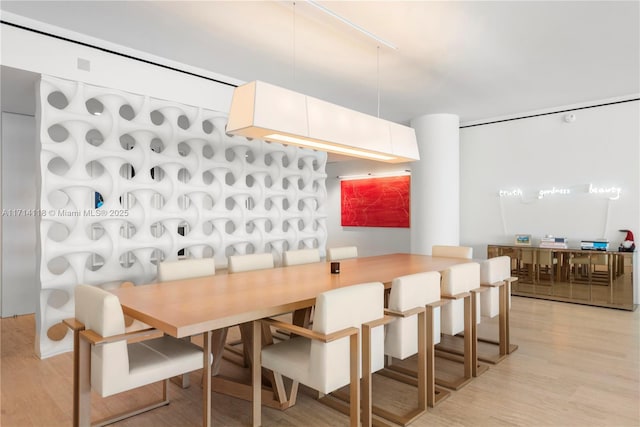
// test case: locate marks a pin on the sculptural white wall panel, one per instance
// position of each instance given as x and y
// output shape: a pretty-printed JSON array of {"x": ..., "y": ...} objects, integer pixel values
[{"x": 127, "y": 181}]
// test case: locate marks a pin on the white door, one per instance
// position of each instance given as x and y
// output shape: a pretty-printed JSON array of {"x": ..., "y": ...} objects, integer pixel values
[{"x": 19, "y": 282}]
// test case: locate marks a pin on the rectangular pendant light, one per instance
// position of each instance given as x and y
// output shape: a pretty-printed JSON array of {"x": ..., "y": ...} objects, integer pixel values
[{"x": 263, "y": 111}]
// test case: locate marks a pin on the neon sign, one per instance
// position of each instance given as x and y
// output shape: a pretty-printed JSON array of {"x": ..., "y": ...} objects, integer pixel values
[
  {"x": 553, "y": 191},
  {"x": 612, "y": 192},
  {"x": 511, "y": 193}
]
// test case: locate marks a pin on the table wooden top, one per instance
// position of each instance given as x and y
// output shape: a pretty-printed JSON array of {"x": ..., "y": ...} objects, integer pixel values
[{"x": 187, "y": 307}]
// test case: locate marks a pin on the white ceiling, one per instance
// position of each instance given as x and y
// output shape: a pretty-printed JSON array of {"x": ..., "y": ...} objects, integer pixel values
[{"x": 477, "y": 59}]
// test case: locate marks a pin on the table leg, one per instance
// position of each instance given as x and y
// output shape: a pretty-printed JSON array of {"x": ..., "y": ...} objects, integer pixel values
[
  {"x": 218, "y": 340},
  {"x": 256, "y": 373},
  {"x": 206, "y": 379},
  {"x": 302, "y": 317}
]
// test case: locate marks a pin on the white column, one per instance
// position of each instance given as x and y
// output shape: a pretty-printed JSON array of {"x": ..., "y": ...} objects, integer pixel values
[{"x": 435, "y": 183}]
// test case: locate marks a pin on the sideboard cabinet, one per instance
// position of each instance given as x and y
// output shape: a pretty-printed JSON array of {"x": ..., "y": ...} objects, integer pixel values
[{"x": 601, "y": 278}]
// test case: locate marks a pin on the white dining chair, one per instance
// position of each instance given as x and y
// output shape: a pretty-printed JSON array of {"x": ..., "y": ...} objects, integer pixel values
[
  {"x": 117, "y": 366},
  {"x": 495, "y": 276},
  {"x": 250, "y": 262},
  {"x": 326, "y": 357},
  {"x": 458, "y": 316},
  {"x": 462, "y": 252},
  {"x": 298, "y": 257},
  {"x": 186, "y": 269},
  {"x": 343, "y": 252},
  {"x": 414, "y": 301},
  {"x": 465, "y": 252},
  {"x": 239, "y": 264},
  {"x": 301, "y": 256},
  {"x": 189, "y": 269}
]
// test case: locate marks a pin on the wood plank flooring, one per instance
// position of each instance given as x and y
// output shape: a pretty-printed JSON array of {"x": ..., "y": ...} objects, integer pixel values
[{"x": 576, "y": 366}]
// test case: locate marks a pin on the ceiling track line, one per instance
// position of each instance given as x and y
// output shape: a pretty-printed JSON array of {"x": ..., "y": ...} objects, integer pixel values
[
  {"x": 551, "y": 112},
  {"x": 113, "y": 52}
]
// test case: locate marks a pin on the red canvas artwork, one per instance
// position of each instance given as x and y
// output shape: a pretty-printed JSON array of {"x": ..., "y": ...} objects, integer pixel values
[{"x": 376, "y": 202}]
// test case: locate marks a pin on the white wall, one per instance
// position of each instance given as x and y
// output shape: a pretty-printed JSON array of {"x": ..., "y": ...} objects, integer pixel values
[
  {"x": 19, "y": 285},
  {"x": 601, "y": 147},
  {"x": 369, "y": 240}
]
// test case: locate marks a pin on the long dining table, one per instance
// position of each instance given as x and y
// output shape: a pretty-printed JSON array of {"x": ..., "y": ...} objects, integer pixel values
[{"x": 184, "y": 308}]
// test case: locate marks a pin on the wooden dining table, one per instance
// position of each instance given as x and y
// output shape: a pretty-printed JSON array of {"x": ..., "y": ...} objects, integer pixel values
[{"x": 184, "y": 308}]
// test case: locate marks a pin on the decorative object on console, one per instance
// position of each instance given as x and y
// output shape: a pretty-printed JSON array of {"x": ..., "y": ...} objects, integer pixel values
[
  {"x": 523, "y": 239},
  {"x": 551, "y": 242},
  {"x": 595, "y": 245},
  {"x": 628, "y": 244}
]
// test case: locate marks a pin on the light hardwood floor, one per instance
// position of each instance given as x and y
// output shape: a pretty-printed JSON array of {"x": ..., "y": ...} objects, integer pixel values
[{"x": 576, "y": 366}]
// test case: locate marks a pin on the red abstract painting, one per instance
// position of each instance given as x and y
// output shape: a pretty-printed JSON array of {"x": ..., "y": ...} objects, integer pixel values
[{"x": 376, "y": 202}]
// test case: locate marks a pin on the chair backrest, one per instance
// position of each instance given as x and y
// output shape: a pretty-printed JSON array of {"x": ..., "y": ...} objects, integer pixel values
[
  {"x": 301, "y": 256},
  {"x": 455, "y": 280},
  {"x": 465, "y": 252},
  {"x": 460, "y": 278},
  {"x": 239, "y": 263},
  {"x": 350, "y": 306},
  {"x": 101, "y": 312},
  {"x": 408, "y": 292},
  {"x": 186, "y": 269},
  {"x": 493, "y": 270},
  {"x": 344, "y": 252}
]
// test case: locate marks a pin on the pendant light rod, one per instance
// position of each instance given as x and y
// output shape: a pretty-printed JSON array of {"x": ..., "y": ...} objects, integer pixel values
[
  {"x": 378, "y": 76},
  {"x": 351, "y": 24}
]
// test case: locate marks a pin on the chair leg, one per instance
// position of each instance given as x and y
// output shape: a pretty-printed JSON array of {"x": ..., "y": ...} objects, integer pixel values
[
  {"x": 422, "y": 378},
  {"x": 183, "y": 381},
  {"x": 113, "y": 419},
  {"x": 354, "y": 386}
]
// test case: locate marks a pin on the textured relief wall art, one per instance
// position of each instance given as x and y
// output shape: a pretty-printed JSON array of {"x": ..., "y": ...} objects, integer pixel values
[
  {"x": 127, "y": 181},
  {"x": 375, "y": 202}
]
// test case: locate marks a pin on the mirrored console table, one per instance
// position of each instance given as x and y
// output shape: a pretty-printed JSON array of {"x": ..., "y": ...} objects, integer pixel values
[{"x": 600, "y": 278}]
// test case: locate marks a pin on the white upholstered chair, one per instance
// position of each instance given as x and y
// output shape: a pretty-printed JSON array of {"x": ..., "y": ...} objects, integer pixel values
[
  {"x": 189, "y": 269},
  {"x": 415, "y": 302},
  {"x": 463, "y": 252},
  {"x": 326, "y": 357},
  {"x": 343, "y": 252},
  {"x": 298, "y": 257},
  {"x": 495, "y": 275},
  {"x": 458, "y": 316},
  {"x": 186, "y": 269},
  {"x": 117, "y": 366},
  {"x": 301, "y": 256},
  {"x": 452, "y": 251},
  {"x": 239, "y": 263}
]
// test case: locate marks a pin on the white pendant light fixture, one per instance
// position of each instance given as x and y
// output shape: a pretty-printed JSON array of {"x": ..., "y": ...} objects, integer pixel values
[{"x": 263, "y": 111}]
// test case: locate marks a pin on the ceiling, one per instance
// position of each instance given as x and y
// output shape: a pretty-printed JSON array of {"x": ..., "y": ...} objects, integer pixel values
[{"x": 477, "y": 59}]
